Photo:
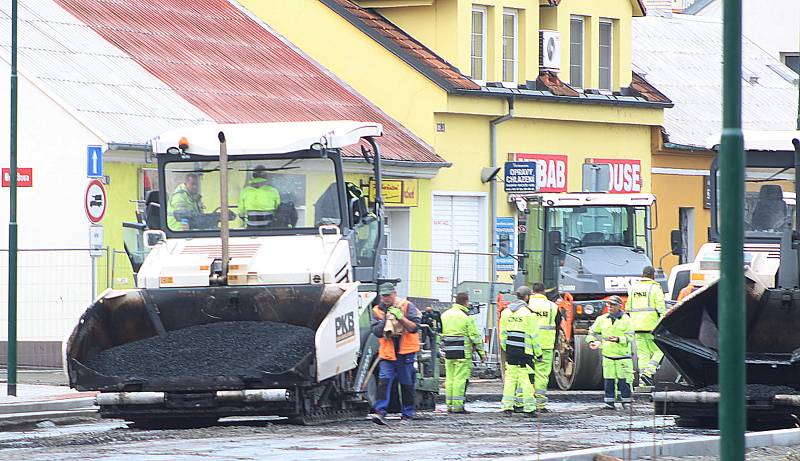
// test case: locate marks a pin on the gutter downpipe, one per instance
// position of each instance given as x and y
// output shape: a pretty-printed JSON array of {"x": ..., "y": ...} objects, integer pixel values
[{"x": 493, "y": 211}]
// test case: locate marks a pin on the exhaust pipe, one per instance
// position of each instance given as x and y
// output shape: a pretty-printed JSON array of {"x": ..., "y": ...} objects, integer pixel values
[
  {"x": 224, "y": 233},
  {"x": 254, "y": 395}
]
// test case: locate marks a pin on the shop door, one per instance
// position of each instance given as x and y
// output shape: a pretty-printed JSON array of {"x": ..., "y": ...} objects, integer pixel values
[
  {"x": 458, "y": 223},
  {"x": 397, "y": 239}
]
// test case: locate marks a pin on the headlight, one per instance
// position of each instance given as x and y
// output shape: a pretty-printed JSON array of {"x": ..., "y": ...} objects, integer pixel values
[{"x": 588, "y": 309}]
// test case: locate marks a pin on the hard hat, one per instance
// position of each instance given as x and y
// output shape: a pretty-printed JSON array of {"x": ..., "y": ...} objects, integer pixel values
[
  {"x": 614, "y": 300},
  {"x": 522, "y": 291}
]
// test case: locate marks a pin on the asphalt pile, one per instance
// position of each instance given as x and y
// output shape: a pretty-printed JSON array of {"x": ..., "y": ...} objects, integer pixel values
[{"x": 214, "y": 349}]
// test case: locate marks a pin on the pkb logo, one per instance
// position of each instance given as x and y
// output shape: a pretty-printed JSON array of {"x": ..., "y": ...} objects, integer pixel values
[
  {"x": 345, "y": 327},
  {"x": 619, "y": 283}
]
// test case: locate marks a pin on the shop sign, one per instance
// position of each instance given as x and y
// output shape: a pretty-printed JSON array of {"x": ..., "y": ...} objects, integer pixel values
[
  {"x": 504, "y": 232},
  {"x": 626, "y": 175},
  {"x": 397, "y": 192},
  {"x": 520, "y": 177},
  {"x": 24, "y": 177},
  {"x": 551, "y": 170}
]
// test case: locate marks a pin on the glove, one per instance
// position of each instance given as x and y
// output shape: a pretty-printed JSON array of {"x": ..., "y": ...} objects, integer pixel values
[
  {"x": 540, "y": 358},
  {"x": 398, "y": 314}
]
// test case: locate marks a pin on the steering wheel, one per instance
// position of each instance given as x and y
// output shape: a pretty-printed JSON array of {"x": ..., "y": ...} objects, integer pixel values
[
  {"x": 573, "y": 241},
  {"x": 218, "y": 211}
]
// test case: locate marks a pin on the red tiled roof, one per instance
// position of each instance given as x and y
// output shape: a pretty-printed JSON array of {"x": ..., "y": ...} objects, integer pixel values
[
  {"x": 556, "y": 86},
  {"x": 643, "y": 88},
  {"x": 426, "y": 60},
  {"x": 235, "y": 69}
]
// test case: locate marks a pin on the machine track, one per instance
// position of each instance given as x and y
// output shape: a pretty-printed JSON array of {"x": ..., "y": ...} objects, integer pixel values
[{"x": 329, "y": 415}]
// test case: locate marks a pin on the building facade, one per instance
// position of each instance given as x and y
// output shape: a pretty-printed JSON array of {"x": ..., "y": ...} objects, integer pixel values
[{"x": 484, "y": 83}]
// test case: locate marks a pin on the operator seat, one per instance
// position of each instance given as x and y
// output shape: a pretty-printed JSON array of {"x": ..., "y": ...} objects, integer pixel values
[
  {"x": 770, "y": 211},
  {"x": 593, "y": 239}
]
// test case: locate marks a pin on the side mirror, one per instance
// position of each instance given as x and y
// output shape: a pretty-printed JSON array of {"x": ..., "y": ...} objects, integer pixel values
[
  {"x": 676, "y": 241},
  {"x": 152, "y": 216},
  {"x": 554, "y": 238},
  {"x": 154, "y": 237}
]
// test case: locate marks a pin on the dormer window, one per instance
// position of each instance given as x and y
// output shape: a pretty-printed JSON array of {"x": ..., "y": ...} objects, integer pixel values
[
  {"x": 510, "y": 45},
  {"x": 478, "y": 48},
  {"x": 606, "y": 54},
  {"x": 576, "y": 51}
]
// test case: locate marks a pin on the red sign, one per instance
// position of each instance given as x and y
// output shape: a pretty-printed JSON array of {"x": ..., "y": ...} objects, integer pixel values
[
  {"x": 626, "y": 175},
  {"x": 95, "y": 201},
  {"x": 551, "y": 171},
  {"x": 24, "y": 177}
]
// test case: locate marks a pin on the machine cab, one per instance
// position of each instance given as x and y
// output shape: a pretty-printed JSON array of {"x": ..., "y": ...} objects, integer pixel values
[{"x": 283, "y": 180}]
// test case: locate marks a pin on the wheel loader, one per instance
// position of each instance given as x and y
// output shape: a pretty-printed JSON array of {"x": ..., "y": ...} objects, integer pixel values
[
  {"x": 246, "y": 308},
  {"x": 689, "y": 334}
]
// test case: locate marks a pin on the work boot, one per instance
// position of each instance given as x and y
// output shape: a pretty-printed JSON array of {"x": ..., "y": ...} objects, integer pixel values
[
  {"x": 626, "y": 406},
  {"x": 460, "y": 412},
  {"x": 518, "y": 410},
  {"x": 609, "y": 406},
  {"x": 379, "y": 419},
  {"x": 530, "y": 414},
  {"x": 543, "y": 410},
  {"x": 508, "y": 413},
  {"x": 647, "y": 380},
  {"x": 406, "y": 421}
]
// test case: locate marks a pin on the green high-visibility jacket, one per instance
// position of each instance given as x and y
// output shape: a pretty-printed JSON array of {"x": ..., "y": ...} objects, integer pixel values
[
  {"x": 257, "y": 195},
  {"x": 459, "y": 329},
  {"x": 645, "y": 304},
  {"x": 184, "y": 204},
  {"x": 545, "y": 312},
  {"x": 622, "y": 328},
  {"x": 519, "y": 328}
]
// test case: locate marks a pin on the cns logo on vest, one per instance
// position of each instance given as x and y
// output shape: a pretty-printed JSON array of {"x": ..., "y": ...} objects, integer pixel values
[
  {"x": 619, "y": 283},
  {"x": 345, "y": 327}
]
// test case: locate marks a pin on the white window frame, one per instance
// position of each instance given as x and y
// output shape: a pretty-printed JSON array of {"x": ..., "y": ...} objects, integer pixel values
[
  {"x": 610, "y": 23},
  {"x": 485, "y": 24},
  {"x": 789, "y": 54},
  {"x": 515, "y": 52},
  {"x": 582, "y": 20}
]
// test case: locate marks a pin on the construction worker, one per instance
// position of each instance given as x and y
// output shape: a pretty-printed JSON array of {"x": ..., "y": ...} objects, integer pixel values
[
  {"x": 460, "y": 338},
  {"x": 258, "y": 200},
  {"x": 612, "y": 332},
  {"x": 397, "y": 352},
  {"x": 646, "y": 306},
  {"x": 546, "y": 314},
  {"x": 185, "y": 203},
  {"x": 519, "y": 341},
  {"x": 433, "y": 320}
]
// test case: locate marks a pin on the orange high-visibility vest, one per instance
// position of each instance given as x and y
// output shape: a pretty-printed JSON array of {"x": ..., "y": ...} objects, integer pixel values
[{"x": 409, "y": 342}]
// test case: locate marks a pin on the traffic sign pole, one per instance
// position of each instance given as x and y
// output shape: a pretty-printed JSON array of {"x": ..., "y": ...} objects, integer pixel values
[{"x": 12, "y": 219}]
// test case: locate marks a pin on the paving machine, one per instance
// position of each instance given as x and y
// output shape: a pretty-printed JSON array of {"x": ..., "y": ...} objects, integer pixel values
[
  {"x": 245, "y": 307},
  {"x": 585, "y": 247},
  {"x": 689, "y": 333}
]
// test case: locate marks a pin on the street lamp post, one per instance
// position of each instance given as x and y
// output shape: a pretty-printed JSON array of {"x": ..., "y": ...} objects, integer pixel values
[{"x": 12, "y": 220}]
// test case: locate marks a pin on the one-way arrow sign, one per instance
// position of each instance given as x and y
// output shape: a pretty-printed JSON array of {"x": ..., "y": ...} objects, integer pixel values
[{"x": 94, "y": 161}]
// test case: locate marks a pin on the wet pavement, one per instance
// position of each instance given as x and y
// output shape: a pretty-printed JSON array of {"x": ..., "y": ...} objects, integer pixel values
[{"x": 576, "y": 421}]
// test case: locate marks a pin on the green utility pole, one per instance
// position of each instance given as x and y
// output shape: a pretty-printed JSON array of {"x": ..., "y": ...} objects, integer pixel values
[
  {"x": 12, "y": 220},
  {"x": 731, "y": 285}
]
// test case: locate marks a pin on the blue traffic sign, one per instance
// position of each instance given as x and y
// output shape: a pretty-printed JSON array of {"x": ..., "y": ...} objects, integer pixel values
[
  {"x": 94, "y": 161},
  {"x": 520, "y": 177}
]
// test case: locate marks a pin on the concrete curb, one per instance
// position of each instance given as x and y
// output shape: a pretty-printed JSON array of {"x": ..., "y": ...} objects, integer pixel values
[
  {"x": 46, "y": 405},
  {"x": 9, "y": 421},
  {"x": 699, "y": 446}
]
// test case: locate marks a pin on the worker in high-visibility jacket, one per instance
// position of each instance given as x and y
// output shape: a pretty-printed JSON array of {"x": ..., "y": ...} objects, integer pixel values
[
  {"x": 460, "y": 338},
  {"x": 397, "y": 351},
  {"x": 518, "y": 338},
  {"x": 185, "y": 204},
  {"x": 612, "y": 332},
  {"x": 258, "y": 200},
  {"x": 646, "y": 306},
  {"x": 546, "y": 314}
]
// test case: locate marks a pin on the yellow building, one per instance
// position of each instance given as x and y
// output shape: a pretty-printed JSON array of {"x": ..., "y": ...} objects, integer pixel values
[{"x": 484, "y": 82}]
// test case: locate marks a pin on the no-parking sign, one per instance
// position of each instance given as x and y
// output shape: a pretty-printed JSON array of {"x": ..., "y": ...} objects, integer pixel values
[{"x": 95, "y": 201}]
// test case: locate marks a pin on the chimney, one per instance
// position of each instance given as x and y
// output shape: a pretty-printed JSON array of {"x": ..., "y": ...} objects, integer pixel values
[{"x": 659, "y": 7}]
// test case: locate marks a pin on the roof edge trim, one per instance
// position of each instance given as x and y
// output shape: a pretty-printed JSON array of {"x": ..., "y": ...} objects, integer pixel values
[
  {"x": 389, "y": 45},
  {"x": 565, "y": 99}
]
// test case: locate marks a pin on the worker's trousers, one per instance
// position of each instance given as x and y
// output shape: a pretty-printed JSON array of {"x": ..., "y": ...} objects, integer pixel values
[
  {"x": 541, "y": 374},
  {"x": 455, "y": 382},
  {"x": 518, "y": 389},
  {"x": 616, "y": 374},
  {"x": 648, "y": 355},
  {"x": 391, "y": 372}
]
